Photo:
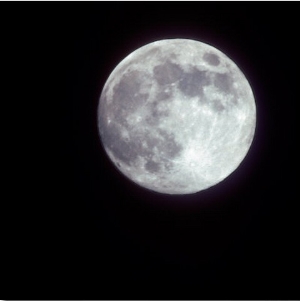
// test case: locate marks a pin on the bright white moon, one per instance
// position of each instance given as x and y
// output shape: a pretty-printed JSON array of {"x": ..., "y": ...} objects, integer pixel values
[{"x": 177, "y": 116}]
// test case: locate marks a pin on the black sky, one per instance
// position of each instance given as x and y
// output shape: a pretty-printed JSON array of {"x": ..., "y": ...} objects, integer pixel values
[{"x": 93, "y": 234}]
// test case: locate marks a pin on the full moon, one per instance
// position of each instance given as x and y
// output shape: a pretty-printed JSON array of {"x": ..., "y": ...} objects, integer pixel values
[{"x": 176, "y": 116}]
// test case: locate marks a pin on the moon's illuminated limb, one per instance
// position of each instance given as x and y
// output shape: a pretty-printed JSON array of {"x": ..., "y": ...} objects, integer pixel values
[{"x": 177, "y": 116}]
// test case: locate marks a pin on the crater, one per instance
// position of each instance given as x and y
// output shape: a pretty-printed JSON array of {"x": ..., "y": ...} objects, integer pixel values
[
  {"x": 167, "y": 73},
  {"x": 192, "y": 83},
  {"x": 211, "y": 59}
]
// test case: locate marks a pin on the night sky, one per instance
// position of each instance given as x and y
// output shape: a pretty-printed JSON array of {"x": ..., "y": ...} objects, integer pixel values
[{"x": 92, "y": 234}]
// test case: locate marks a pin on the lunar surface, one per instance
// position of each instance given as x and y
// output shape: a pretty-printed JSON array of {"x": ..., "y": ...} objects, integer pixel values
[{"x": 176, "y": 116}]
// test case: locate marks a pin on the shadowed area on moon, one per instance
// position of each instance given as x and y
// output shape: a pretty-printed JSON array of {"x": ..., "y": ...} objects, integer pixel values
[
  {"x": 167, "y": 73},
  {"x": 192, "y": 83},
  {"x": 223, "y": 82},
  {"x": 211, "y": 58}
]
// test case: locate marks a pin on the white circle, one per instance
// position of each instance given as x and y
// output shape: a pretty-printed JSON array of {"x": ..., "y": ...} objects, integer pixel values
[{"x": 176, "y": 116}]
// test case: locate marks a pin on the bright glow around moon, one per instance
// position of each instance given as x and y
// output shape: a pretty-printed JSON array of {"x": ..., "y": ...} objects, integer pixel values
[{"x": 176, "y": 116}]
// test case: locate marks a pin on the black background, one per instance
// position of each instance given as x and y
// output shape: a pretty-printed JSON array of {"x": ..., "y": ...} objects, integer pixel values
[{"x": 82, "y": 230}]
